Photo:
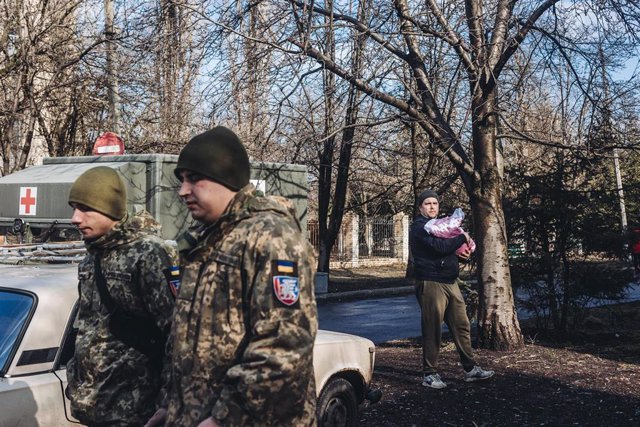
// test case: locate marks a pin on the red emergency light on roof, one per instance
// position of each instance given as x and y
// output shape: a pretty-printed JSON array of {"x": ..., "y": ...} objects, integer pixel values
[{"x": 107, "y": 144}]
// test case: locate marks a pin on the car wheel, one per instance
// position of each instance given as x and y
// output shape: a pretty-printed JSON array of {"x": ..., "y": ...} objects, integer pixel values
[{"x": 337, "y": 405}]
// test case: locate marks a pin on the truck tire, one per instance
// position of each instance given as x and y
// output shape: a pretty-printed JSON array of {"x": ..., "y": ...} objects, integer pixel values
[{"x": 337, "y": 405}]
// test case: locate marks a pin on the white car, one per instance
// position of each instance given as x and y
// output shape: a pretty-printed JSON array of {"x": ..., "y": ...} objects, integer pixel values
[{"x": 38, "y": 304}]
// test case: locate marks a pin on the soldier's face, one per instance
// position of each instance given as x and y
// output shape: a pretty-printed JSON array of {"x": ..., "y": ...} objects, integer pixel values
[
  {"x": 92, "y": 224},
  {"x": 430, "y": 207},
  {"x": 205, "y": 198}
]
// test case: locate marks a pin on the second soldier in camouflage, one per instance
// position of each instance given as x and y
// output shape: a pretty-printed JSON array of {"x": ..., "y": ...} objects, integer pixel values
[
  {"x": 111, "y": 381},
  {"x": 245, "y": 320}
]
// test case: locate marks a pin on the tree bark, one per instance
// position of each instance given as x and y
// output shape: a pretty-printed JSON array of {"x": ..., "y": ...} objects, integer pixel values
[
  {"x": 498, "y": 324},
  {"x": 326, "y": 155}
]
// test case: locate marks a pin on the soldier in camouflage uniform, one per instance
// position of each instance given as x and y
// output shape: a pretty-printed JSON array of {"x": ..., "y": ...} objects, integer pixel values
[
  {"x": 245, "y": 319},
  {"x": 111, "y": 383}
]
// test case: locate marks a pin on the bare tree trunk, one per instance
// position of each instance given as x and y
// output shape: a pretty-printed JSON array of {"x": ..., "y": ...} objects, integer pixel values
[
  {"x": 112, "y": 64},
  {"x": 325, "y": 156},
  {"x": 342, "y": 178},
  {"x": 255, "y": 82},
  {"x": 169, "y": 46},
  {"x": 499, "y": 328},
  {"x": 329, "y": 233},
  {"x": 498, "y": 323},
  {"x": 324, "y": 198}
]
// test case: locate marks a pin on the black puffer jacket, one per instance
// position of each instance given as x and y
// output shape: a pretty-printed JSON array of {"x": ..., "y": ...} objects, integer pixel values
[{"x": 434, "y": 258}]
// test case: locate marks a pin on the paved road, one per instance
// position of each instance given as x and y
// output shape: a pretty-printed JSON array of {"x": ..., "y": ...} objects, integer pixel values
[
  {"x": 384, "y": 319},
  {"x": 379, "y": 319}
]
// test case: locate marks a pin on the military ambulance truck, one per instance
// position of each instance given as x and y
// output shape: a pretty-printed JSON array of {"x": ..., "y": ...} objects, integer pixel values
[{"x": 34, "y": 206}]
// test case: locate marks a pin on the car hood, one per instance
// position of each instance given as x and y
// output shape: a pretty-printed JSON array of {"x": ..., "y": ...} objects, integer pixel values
[
  {"x": 39, "y": 276},
  {"x": 54, "y": 289}
]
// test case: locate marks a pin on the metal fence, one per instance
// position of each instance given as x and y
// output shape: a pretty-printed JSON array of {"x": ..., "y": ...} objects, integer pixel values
[
  {"x": 376, "y": 238},
  {"x": 341, "y": 248}
]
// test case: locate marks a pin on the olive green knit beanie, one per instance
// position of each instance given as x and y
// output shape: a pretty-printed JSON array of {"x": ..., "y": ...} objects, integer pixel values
[
  {"x": 219, "y": 155},
  {"x": 102, "y": 190}
]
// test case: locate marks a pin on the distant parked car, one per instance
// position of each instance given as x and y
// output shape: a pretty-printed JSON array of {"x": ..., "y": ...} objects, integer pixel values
[{"x": 38, "y": 305}]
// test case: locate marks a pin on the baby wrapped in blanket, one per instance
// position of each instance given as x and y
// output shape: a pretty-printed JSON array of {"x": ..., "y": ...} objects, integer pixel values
[{"x": 448, "y": 227}]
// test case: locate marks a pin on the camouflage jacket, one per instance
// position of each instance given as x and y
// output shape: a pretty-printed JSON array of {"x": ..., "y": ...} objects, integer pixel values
[
  {"x": 108, "y": 380},
  {"x": 245, "y": 321}
]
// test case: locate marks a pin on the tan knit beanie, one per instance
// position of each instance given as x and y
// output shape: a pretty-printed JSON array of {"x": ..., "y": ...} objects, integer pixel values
[{"x": 102, "y": 190}]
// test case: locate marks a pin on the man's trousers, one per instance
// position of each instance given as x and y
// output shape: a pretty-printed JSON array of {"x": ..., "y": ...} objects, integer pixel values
[{"x": 443, "y": 302}]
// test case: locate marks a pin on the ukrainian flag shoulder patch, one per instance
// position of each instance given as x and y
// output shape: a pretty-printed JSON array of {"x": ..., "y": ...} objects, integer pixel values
[
  {"x": 285, "y": 267},
  {"x": 285, "y": 283}
]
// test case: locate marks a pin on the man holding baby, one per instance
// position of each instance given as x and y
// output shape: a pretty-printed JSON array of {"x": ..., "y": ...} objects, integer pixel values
[{"x": 436, "y": 269}]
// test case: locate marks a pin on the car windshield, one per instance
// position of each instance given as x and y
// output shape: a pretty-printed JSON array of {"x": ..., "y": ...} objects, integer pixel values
[{"x": 14, "y": 312}]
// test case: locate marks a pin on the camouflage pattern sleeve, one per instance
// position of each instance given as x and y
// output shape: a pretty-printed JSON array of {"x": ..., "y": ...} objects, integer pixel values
[
  {"x": 109, "y": 379},
  {"x": 158, "y": 271},
  {"x": 162, "y": 401},
  {"x": 272, "y": 382},
  {"x": 157, "y": 266}
]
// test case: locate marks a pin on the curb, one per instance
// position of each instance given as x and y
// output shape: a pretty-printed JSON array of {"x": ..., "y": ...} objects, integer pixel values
[
  {"x": 364, "y": 294},
  {"x": 328, "y": 297}
]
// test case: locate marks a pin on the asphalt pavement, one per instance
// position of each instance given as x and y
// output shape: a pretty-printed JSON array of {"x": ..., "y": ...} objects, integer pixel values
[
  {"x": 393, "y": 313},
  {"x": 379, "y": 319}
]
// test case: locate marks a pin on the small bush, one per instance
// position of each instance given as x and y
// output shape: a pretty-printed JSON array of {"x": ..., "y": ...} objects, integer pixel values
[{"x": 560, "y": 296}]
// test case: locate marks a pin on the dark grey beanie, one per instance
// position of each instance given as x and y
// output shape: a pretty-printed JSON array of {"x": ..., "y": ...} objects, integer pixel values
[
  {"x": 426, "y": 194},
  {"x": 217, "y": 154}
]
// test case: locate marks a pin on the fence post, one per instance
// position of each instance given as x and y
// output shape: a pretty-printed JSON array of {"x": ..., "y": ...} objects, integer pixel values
[
  {"x": 403, "y": 238},
  {"x": 355, "y": 244},
  {"x": 322, "y": 282}
]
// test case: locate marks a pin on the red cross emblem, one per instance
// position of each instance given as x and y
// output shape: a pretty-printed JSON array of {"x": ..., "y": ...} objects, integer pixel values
[{"x": 28, "y": 200}]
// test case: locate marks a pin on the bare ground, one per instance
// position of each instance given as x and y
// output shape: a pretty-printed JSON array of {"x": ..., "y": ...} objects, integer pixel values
[
  {"x": 588, "y": 377},
  {"x": 591, "y": 378}
]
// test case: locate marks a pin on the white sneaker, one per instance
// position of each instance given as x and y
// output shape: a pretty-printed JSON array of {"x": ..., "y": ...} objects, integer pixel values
[
  {"x": 477, "y": 374},
  {"x": 433, "y": 381}
]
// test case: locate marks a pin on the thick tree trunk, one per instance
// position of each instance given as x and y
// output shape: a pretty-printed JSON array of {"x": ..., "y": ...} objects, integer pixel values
[{"x": 498, "y": 324}]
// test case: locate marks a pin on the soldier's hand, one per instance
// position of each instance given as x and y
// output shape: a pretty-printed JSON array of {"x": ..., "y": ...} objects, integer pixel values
[
  {"x": 157, "y": 419},
  {"x": 209, "y": 422}
]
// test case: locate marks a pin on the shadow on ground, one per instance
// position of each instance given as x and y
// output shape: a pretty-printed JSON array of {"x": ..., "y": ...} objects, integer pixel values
[
  {"x": 611, "y": 332},
  {"x": 536, "y": 385}
]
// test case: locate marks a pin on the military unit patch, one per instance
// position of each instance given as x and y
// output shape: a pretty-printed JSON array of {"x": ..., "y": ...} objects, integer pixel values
[
  {"x": 286, "y": 289},
  {"x": 174, "y": 285},
  {"x": 286, "y": 285},
  {"x": 173, "y": 278}
]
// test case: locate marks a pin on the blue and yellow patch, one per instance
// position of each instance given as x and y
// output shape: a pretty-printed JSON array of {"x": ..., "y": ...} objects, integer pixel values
[
  {"x": 173, "y": 279},
  {"x": 285, "y": 283},
  {"x": 285, "y": 267}
]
